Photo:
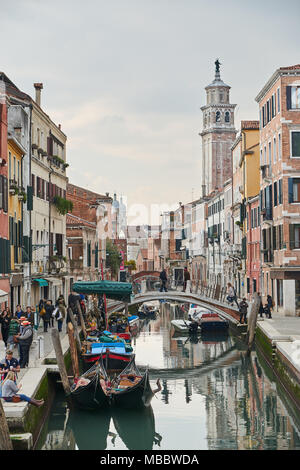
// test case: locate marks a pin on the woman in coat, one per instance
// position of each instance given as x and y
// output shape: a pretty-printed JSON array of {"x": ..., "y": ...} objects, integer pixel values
[{"x": 5, "y": 321}]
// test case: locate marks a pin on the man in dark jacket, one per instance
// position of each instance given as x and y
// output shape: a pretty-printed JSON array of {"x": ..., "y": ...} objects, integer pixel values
[
  {"x": 49, "y": 308},
  {"x": 243, "y": 309},
  {"x": 163, "y": 278},
  {"x": 25, "y": 340}
]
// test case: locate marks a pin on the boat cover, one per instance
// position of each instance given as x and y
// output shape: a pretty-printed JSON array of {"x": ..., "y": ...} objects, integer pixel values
[{"x": 113, "y": 290}]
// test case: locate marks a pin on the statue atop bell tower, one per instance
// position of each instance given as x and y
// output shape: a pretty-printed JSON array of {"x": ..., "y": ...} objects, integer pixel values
[
  {"x": 217, "y": 64},
  {"x": 218, "y": 134}
]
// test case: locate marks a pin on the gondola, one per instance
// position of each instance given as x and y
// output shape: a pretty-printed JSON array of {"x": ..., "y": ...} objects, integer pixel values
[
  {"x": 89, "y": 392},
  {"x": 136, "y": 428},
  {"x": 131, "y": 389}
]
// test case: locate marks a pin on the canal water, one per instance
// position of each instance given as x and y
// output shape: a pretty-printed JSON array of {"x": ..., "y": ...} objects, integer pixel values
[{"x": 212, "y": 397}]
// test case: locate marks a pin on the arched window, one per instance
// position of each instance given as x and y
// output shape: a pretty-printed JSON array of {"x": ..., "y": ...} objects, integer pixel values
[
  {"x": 227, "y": 116},
  {"x": 218, "y": 116}
]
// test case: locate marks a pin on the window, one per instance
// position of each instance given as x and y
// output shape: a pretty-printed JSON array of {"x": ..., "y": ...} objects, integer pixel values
[
  {"x": 275, "y": 193},
  {"x": 218, "y": 116},
  {"x": 279, "y": 146},
  {"x": 227, "y": 116},
  {"x": 9, "y": 167},
  {"x": 295, "y": 140},
  {"x": 270, "y": 154},
  {"x": 279, "y": 292},
  {"x": 279, "y": 192},
  {"x": 278, "y": 100},
  {"x": 265, "y": 155},
  {"x": 294, "y": 236},
  {"x": 294, "y": 190},
  {"x": 274, "y": 150},
  {"x": 293, "y": 97}
]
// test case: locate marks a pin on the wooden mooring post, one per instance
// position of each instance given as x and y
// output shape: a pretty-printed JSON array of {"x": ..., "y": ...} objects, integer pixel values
[
  {"x": 252, "y": 322},
  {"x": 73, "y": 321},
  {"x": 73, "y": 350},
  {"x": 5, "y": 440},
  {"x": 81, "y": 319},
  {"x": 60, "y": 360}
]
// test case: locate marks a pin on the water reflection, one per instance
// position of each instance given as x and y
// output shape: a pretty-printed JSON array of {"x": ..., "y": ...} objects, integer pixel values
[{"x": 212, "y": 397}]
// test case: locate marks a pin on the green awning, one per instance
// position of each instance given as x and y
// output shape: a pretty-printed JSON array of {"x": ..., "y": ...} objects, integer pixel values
[
  {"x": 42, "y": 282},
  {"x": 113, "y": 290}
]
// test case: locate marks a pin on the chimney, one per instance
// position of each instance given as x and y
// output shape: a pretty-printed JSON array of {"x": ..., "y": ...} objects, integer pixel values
[{"x": 38, "y": 87}]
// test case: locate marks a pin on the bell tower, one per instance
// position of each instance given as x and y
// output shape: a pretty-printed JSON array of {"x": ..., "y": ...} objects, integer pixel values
[{"x": 218, "y": 134}]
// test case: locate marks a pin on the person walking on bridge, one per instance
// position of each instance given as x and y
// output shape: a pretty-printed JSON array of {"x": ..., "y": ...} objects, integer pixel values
[
  {"x": 164, "y": 279},
  {"x": 187, "y": 277}
]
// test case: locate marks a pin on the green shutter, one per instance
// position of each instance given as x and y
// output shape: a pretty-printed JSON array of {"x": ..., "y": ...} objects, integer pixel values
[{"x": 29, "y": 198}]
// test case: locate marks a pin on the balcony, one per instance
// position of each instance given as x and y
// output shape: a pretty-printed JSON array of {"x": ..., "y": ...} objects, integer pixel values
[{"x": 266, "y": 173}]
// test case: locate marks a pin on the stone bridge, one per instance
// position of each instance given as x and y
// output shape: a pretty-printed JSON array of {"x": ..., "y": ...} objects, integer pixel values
[{"x": 229, "y": 313}]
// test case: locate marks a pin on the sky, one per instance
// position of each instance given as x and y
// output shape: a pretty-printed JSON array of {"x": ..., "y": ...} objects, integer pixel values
[{"x": 126, "y": 78}]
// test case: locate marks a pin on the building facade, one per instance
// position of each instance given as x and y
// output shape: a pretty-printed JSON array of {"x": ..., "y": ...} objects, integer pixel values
[{"x": 279, "y": 110}]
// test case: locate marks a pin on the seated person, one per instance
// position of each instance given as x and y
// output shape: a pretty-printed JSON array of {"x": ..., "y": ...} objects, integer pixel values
[
  {"x": 9, "y": 363},
  {"x": 10, "y": 391}
]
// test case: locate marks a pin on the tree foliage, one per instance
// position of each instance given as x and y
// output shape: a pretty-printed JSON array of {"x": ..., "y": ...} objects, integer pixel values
[{"x": 113, "y": 257}]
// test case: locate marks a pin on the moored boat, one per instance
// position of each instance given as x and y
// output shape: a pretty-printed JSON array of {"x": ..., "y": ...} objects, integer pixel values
[
  {"x": 116, "y": 353},
  {"x": 89, "y": 391},
  {"x": 148, "y": 309},
  {"x": 131, "y": 389},
  {"x": 213, "y": 322}
]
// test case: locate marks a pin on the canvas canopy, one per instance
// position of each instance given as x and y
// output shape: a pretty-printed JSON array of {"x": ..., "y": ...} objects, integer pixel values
[{"x": 113, "y": 290}]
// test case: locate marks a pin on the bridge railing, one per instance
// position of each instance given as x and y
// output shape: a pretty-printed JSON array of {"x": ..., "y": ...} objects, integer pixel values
[{"x": 211, "y": 291}]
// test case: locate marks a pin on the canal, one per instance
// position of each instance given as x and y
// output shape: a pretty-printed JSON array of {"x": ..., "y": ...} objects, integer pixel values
[{"x": 212, "y": 397}]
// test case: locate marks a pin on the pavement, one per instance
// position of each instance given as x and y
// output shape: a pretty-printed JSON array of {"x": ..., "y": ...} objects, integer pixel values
[
  {"x": 34, "y": 359},
  {"x": 284, "y": 333}
]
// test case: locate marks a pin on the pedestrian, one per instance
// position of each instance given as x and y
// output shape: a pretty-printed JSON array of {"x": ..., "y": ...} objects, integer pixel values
[
  {"x": 19, "y": 312},
  {"x": 21, "y": 328},
  {"x": 56, "y": 314},
  {"x": 270, "y": 302},
  {"x": 47, "y": 317},
  {"x": 261, "y": 307},
  {"x": 164, "y": 279},
  {"x": 5, "y": 321},
  {"x": 61, "y": 305},
  {"x": 13, "y": 330},
  {"x": 30, "y": 315},
  {"x": 72, "y": 303},
  {"x": 231, "y": 297},
  {"x": 243, "y": 309},
  {"x": 10, "y": 391},
  {"x": 9, "y": 363},
  {"x": 186, "y": 277},
  {"x": 25, "y": 340},
  {"x": 267, "y": 311}
]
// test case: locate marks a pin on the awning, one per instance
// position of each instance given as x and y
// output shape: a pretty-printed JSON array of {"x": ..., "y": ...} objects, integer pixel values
[
  {"x": 113, "y": 290},
  {"x": 3, "y": 296},
  {"x": 42, "y": 282}
]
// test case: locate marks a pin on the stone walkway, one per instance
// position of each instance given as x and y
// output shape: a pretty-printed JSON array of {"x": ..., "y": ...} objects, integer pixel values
[{"x": 34, "y": 360}]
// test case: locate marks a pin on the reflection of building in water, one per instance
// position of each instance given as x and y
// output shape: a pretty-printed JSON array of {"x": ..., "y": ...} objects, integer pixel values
[{"x": 243, "y": 409}]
